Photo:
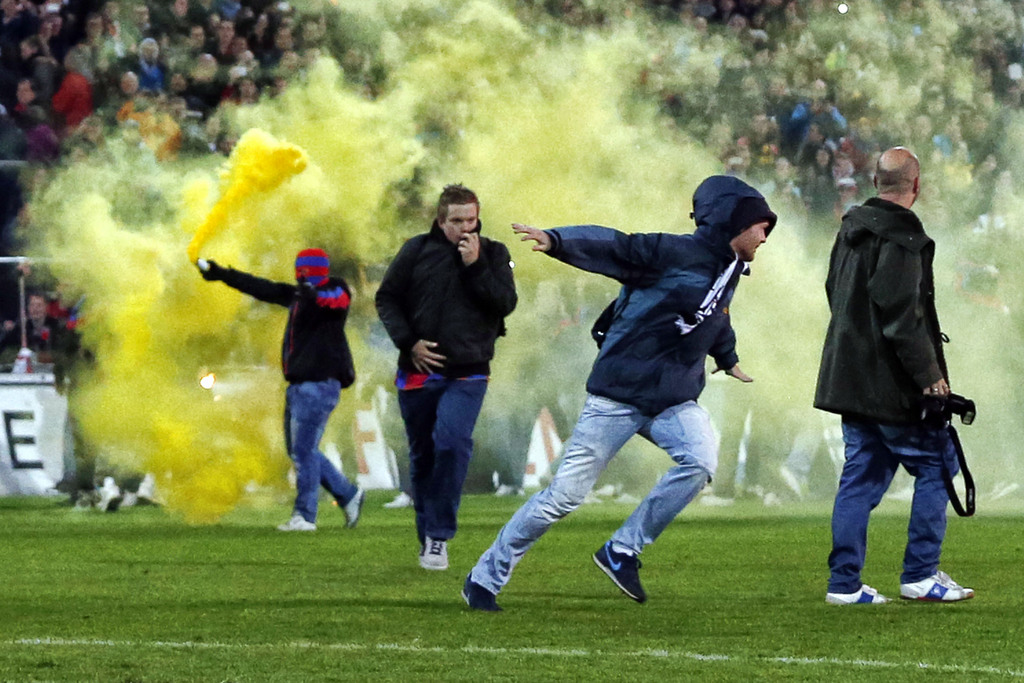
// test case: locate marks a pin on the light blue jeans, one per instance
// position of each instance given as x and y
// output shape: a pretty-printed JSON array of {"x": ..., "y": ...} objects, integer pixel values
[
  {"x": 683, "y": 431},
  {"x": 306, "y": 409}
]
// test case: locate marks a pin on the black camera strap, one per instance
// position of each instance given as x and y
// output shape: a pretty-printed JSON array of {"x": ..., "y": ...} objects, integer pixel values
[{"x": 954, "y": 498}]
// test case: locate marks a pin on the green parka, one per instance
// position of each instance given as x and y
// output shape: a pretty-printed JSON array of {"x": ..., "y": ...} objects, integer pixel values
[{"x": 883, "y": 345}]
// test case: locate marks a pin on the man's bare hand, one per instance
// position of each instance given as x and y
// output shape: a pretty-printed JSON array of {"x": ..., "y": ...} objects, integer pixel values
[
  {"x": 424, "y": 358},
  {"x": 542, "y": 239},
  {"x": 469, "y": 248},
  {"x": 735, "y": 371},
  {"x": 940, "y": 388}
]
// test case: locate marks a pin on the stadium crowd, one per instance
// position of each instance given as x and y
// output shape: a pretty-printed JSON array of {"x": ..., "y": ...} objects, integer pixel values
[
  {"x": 778, "y": 108},
  {"x": 73, "y": 71}
]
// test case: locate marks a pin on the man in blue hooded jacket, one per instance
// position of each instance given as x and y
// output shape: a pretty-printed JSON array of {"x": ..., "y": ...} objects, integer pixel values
[{"x": 671, "y": 313}]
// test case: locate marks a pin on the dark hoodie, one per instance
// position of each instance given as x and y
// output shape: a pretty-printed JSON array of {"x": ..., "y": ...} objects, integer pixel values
[
  {"x": 883, "y": 345},
  {"x": 428, "y": 293},
  {"x": 314, "y": 347},
  {"x": 646, "y": 361}
]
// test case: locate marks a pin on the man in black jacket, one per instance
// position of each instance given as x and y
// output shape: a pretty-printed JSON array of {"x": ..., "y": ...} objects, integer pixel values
[
  {"x": 317, "y": 365},
  {"x": 443, "y": 301},
  {"x": 882, "y": 355}
]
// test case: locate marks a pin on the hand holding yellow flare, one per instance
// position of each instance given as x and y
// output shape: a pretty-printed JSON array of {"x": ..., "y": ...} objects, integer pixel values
[{"x": 258, "y": 163}]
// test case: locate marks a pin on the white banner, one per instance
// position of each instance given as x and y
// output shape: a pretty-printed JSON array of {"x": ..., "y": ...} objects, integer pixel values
[{"x": 33, "y": 424}]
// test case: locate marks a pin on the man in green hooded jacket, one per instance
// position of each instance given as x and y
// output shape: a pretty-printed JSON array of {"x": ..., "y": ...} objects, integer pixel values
[{"x": 882, "y": 355}]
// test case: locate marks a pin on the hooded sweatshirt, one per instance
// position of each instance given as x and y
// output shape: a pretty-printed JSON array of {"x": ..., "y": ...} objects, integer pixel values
[
  {"x": 314, "y": 347},
  {"x": 664, "y": 325}
]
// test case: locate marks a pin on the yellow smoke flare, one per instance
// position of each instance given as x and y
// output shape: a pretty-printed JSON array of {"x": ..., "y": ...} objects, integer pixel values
[{"x": 259, "y": 163}]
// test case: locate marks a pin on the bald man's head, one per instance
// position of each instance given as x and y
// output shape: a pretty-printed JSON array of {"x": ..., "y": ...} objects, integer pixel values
[{"x": 897, "y": 172}]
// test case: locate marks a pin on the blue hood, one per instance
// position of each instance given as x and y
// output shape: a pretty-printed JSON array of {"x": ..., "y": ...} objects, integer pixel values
[{"x": 715, "y": 205}]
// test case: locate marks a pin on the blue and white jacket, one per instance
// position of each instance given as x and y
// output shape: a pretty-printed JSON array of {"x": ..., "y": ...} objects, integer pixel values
[{"x": 665, "y": 322}]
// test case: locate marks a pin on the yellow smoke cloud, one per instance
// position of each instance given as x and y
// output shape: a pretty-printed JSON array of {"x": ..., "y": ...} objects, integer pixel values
[{"x": 258, "y": 163}]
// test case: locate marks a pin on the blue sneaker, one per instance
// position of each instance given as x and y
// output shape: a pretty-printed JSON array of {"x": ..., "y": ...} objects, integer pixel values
[
  {"x": 621, "y": 568},
  {"x": 478, "y": 597},
  {"x": 936, "y": 588},
  {"x": 865, "y": 595}
]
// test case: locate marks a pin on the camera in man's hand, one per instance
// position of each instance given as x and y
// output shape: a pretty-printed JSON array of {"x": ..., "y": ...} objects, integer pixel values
[{"x": 938, "y": 411}]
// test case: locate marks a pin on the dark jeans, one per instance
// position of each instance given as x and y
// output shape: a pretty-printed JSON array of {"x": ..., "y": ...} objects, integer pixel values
[
  {"x": 439, "y": 421},
  {"x": 306, "y": 409},
  {"x": 873, "y": 454}
]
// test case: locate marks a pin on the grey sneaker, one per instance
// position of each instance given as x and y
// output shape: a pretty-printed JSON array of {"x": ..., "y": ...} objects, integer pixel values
[
  {"x": 354, "y": 508},
  {"x": 297, "y": 523},
  {"x": 936, "y": 588},
  {"x": 402, "y": 500},
  {"x": 434, "y": 554}
]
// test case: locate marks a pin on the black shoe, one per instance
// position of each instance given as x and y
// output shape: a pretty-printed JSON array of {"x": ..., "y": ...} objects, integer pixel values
[
  {"x": 478, "y": 597},
  {"x": 621, "y": 568}
]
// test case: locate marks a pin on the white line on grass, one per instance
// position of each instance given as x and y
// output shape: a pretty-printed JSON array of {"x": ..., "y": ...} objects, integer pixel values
[{"x": 540, "y": 651}]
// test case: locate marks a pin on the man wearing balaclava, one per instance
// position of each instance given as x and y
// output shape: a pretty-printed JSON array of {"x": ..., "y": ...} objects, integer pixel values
[
  {"x": 317, "y": 365},
  {"x": 671, "y": 314}
]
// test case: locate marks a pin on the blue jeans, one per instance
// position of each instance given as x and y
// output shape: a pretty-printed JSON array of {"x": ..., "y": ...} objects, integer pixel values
[
  {"x": 306, "y": 409},
  {"x": 873, "y": 454},
  {"x": 439, "y": 420},
  {"x": 683, "y": 431}
]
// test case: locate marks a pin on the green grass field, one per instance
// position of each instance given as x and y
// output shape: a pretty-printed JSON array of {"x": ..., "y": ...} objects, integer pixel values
[{"x": 735, "y": 594}]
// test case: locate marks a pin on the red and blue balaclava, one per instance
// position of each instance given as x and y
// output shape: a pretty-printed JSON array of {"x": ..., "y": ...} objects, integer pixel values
[{"x": 312, "y": 265}]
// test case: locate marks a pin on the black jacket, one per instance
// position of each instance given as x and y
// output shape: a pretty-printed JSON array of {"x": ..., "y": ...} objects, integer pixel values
[
  {"x": 883, "y": 346},
  {"x": 314, "y": 347},
  {"x": 428, "y": 293}
]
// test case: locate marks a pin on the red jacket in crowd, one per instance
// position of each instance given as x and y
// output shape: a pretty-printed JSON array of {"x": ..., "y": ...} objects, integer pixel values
[{"x": 73, "y": 99}]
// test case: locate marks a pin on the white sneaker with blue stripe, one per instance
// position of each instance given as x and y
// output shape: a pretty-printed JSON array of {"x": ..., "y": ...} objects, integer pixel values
[
  {"x": 865, "y": 596},
  {"x": 936, "y": 588}
]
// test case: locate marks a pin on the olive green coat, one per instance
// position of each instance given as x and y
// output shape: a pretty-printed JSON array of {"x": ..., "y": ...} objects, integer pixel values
[{"x": 883, "y": 346}]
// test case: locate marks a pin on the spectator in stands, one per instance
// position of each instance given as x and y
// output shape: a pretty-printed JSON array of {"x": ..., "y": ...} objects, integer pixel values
[
  {"x": 206, "y": 85},
  {"x": 242, "y": 88},
  {"x": 224, "y": 45},
  {"x": 198, "y": 40},
  {"x": 42, "y": 333},
  {"x": 283, "y": 42},
  {"x": 43, "y": 145},
  {"x": 151, "y": 71},
  {"x": 139, "y": 28},
  {"x": 26, "y": 96},
  {"x": 17, "y": 22},
  {"x": 819, "y": 187},
  {"x": 13, "y": 146},
  {"x": 227, "y": 9},
  {"x": 128, "y": 89},
  {"x": 38, "y": 65},
  {"x": 172, "y": 21},
  {"x": 260, "y": 37},
  {"x": 54, "y": 33},
  {"x": 73, "y": 101},
  {"x": 848, "y": 191}
]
